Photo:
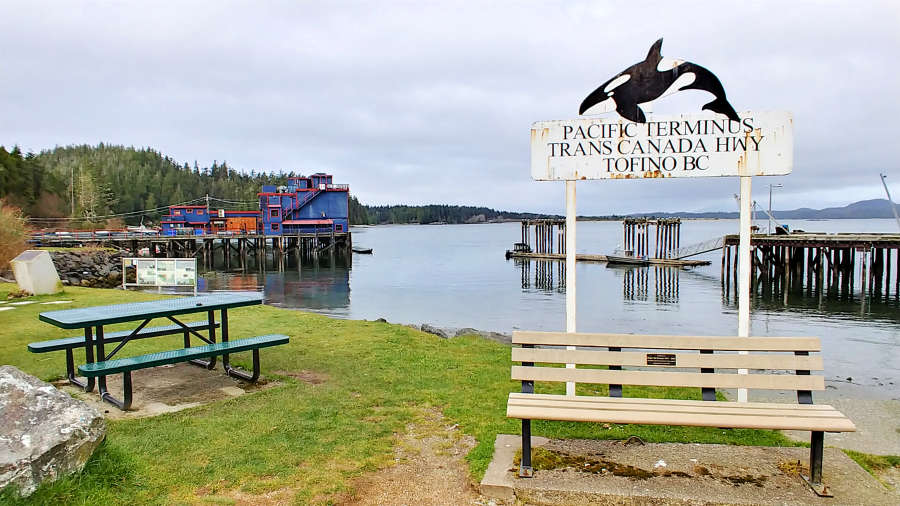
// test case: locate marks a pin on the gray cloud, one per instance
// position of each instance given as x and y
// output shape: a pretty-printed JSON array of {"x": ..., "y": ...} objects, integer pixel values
[{"x": 419, "y": 102}]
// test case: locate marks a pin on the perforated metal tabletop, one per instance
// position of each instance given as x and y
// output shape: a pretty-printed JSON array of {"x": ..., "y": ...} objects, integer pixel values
[{"x": 118, "y": 313}]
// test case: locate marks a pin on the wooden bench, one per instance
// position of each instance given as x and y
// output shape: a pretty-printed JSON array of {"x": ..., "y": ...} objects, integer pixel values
[
  {"x": 71, "y": 343},
  {"x": 126, "y": 365},
  {"x": 699, "y": 362}
]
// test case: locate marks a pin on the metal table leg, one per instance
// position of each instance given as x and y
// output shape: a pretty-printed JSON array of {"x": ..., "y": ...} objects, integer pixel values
[
  {"x": 211, "y": 363},
  {"x": 88, "y": 385},
  {"x": 227, "y": 365},
  {"x": 101, "y": 380}
]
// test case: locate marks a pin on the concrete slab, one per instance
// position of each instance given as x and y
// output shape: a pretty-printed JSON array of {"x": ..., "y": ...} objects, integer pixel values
[
  {"x": 166, "y": 389},
  {"x": 611, "y": 472}
]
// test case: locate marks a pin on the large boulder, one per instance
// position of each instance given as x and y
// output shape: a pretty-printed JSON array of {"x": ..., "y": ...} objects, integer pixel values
[{"x": 44, "y": 433}]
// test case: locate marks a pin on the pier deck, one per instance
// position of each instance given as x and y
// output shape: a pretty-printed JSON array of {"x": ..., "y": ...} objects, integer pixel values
[
  {"x": 602, "y": 258},
  {"x": 204, "y": 247}
]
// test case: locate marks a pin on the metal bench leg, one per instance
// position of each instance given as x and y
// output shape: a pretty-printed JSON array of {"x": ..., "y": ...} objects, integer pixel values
[
  {"x": 242, "y": 375},
  {"x": 525, "y": 470},
  {"x": 70, "y": 373},
  {"x": 126, "y": 387},
  {"x": 816, "y": 449}
]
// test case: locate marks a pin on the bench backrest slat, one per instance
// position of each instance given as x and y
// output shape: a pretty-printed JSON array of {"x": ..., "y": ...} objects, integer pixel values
[
  {"x": 681, "y": 360},
  {"x": 705, "y": 362},
  {"x": 667, "y": 342},
  {"x": 664, "y": 378}
]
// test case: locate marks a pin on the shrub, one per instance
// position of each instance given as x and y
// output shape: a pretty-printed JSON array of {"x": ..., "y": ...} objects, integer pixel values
[{"x": 12, "y": 234}]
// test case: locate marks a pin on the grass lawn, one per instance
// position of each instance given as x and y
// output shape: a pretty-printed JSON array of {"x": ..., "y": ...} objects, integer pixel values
[{"x": 313, "y": 439}]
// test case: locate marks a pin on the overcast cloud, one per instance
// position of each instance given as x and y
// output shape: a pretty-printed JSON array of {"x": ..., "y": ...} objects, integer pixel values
[{"x": 425, "y": 102}]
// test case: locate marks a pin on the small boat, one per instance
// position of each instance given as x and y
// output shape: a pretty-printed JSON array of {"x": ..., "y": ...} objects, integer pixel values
[
  {"x": 626, "y": 257},
  {"x": 611, "y": 259},
  {"x": 363, "y": 251}
]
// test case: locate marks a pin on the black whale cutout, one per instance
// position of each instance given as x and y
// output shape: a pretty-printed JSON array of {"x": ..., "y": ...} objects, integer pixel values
[{"x": 644, "y": 82}]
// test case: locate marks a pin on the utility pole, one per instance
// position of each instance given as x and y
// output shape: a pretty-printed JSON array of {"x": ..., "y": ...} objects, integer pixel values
[
  {"x": 890, "y": 200},
  {"x": 779, "y": 185},
  {"x": 72, "y": 186}
]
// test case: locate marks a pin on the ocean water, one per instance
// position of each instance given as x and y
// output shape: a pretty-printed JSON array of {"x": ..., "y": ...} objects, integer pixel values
[{"x": 457, "y": 276}]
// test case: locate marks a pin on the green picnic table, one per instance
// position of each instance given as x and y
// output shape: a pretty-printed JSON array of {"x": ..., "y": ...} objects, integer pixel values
[{"x": 99, "y": 365}]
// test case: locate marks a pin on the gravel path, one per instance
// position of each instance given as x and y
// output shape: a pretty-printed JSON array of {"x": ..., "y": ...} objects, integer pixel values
[{"x": 430, "y": 469}]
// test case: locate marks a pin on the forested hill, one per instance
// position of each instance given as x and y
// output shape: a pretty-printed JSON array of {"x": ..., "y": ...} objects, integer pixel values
[
  {"x": 106, "y": 185},
  {"x": 95, "y": 183}
]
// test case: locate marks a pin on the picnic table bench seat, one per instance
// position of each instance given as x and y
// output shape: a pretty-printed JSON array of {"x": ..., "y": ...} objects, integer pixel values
[
  {"x": 71, "y": 343},
  {"x": 707, "y": 363},
  {"x": 126, "y": 365}
]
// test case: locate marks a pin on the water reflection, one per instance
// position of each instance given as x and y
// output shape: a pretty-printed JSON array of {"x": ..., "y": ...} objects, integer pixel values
[
  {"x": 636, "y": 283},
  {"x": 296, "y": 280},
  {"x": 841, "y": 299},
  {"x": 549, "y": 276}
]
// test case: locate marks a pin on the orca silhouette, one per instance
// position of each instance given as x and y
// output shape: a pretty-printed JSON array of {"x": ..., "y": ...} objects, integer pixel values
[{"x": 644, "y": 82}]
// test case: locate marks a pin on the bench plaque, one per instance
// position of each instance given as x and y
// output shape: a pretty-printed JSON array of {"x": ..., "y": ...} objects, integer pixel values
[{"x": 661, "y": 359}]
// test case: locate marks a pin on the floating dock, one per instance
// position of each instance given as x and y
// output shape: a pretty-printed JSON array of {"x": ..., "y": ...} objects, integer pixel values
[
  {"x": 545, "y": 239},
  {"x": 602, "y": 258}
]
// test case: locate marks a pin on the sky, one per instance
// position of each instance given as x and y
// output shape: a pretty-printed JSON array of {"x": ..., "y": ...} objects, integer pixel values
[{"x": 432, "y": 102}]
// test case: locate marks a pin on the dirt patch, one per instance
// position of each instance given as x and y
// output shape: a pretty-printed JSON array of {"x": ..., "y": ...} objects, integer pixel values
[
  {"x": 311, "y": 377},
  {"x": 281, "y": 497},
  {"x": 550, "y": 460},
  {"x": 166, "y": 389},
  {"x": 429, "y": 468}
]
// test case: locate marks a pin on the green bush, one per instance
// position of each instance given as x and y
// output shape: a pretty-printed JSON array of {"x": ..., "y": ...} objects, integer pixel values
[{"x": 12, "y": 234}]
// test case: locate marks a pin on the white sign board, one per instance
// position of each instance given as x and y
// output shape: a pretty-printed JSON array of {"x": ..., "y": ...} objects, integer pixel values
[
  {"x": 161, "y": 272},
  {"x": 687, "y": 145}
]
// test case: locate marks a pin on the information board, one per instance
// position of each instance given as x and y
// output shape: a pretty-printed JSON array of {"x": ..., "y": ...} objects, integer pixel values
[{"x": 160, "y": 272}]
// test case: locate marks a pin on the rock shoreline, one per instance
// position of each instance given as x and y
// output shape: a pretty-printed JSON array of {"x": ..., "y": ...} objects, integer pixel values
[
  {"x": 97, "y": 268},
  {"x": 452, "y": 332}
]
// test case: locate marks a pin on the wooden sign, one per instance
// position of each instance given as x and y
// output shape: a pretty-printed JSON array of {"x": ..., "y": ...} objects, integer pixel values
[{"x": 688, "y": 145}]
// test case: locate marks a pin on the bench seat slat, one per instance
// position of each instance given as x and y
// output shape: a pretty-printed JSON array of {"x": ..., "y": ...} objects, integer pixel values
[
  {"x": 689, "y": 360},
  {"x": 659, "y": 378},
  {"x": 667, "y": 341},
  {"x": 705, "y": 408},
  {"x": 182, "y": 355},
  {"x": 113, "y": 337},
  {"x": 613, "y": 414},
  {"x": 669, "y": 402}
]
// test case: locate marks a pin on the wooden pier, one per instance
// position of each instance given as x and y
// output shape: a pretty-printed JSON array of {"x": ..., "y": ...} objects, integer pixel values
[
  {"x": 827, "y": 264},
  {"x": 546, "y": 240},
  {"x": 636, "y": 236},
  {"x": 233, "y": 249}
]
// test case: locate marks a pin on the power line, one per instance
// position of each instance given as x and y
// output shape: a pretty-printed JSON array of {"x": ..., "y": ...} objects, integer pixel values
[
  {"x": 118, "y": 215},
  {"x": 227, "y": 202}
]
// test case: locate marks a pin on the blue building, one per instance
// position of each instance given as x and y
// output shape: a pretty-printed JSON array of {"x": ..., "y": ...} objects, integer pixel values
[
  {"x": 185, "y": 220},
  {"x": 305, "y": 205}
]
